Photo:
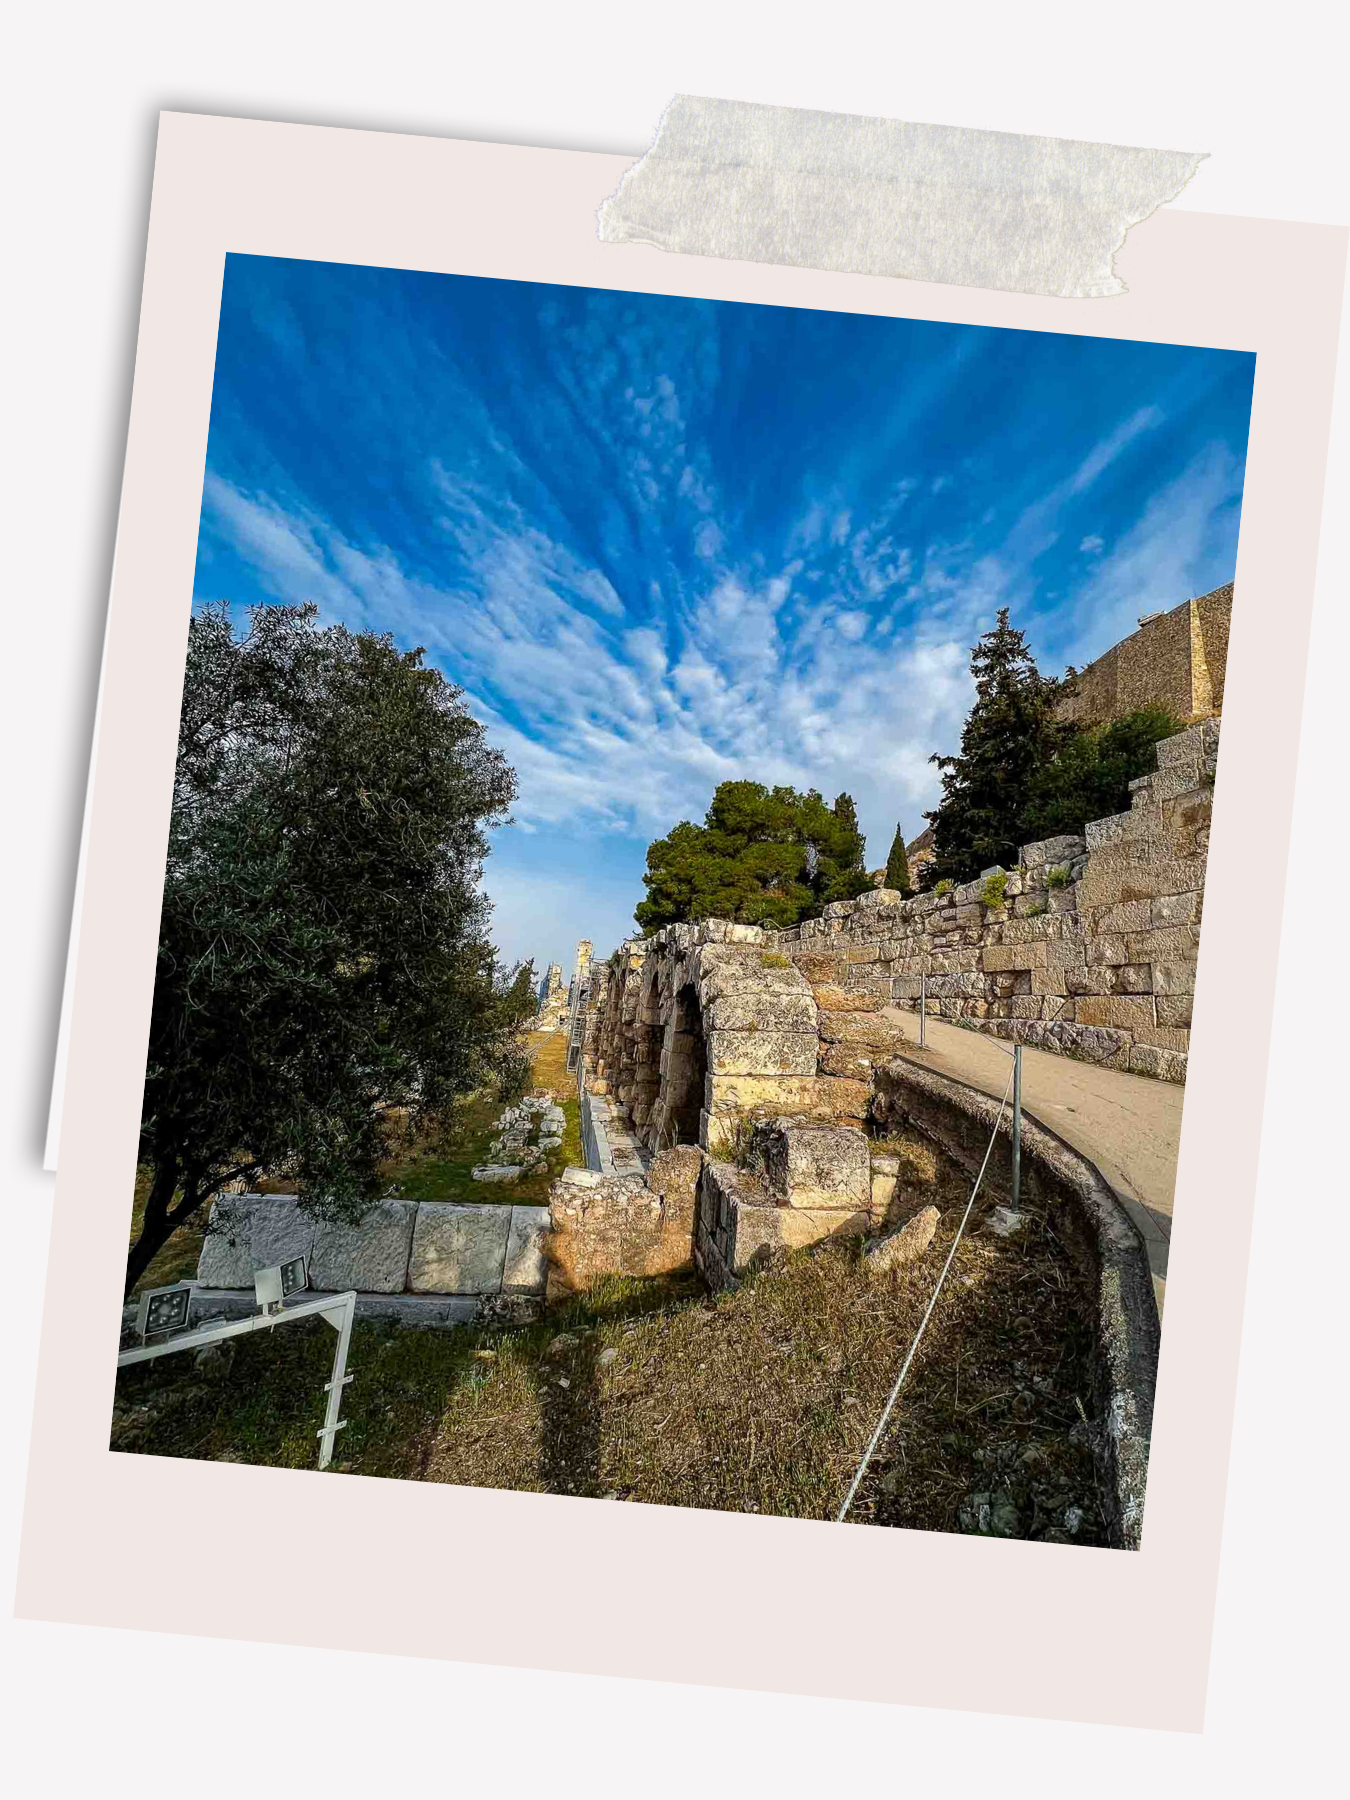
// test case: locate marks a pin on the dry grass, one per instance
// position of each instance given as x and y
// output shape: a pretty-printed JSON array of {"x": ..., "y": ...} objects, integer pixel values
[{"x": 760, "y": 1400}]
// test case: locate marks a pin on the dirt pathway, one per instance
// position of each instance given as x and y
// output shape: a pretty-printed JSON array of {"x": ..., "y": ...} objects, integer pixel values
[{"x": 1129, "y": 1125}]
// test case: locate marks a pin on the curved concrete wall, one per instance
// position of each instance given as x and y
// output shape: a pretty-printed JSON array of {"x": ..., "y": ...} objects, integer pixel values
[{"x": 1100, "y": 1237}]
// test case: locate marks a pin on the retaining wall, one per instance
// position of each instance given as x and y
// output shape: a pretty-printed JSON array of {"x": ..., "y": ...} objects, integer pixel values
[
  {"x": 402, "y": 1251},
  {"x": 1091, "y": 951},
  {"x": 1097, "y": 1233}
]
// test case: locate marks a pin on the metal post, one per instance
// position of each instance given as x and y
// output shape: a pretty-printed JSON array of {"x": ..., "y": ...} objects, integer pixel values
[
  {"x": 923, "y": 1008},
  {"x": 1017, "y": 1126},
  {"x": 341, "y": 1319}
]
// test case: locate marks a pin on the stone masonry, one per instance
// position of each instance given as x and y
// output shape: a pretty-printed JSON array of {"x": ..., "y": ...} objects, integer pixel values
[
  {"x": 428, "y": 1247},
  {"x": 1175, "y": 659},
  {"x": 1089, "y": 949}
]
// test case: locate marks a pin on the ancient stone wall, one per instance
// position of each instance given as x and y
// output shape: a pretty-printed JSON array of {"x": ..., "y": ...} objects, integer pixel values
[
  {"x": 1176, "y": 660},
  {"x": 1088, "y": 948},
  {"x": 702, "y": 1026},
  {"x": 471, "y": 1253}
]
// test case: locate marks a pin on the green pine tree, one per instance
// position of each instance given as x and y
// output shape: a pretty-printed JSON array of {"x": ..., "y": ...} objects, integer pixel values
[
  {"x": 762, "y": 856},
  {"x": 1010, "y": 734},
  {"x": 897, "y": 866}
]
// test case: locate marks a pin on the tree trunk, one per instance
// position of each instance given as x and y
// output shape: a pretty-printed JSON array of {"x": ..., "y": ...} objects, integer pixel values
[{"x": 158, "y": 1226}]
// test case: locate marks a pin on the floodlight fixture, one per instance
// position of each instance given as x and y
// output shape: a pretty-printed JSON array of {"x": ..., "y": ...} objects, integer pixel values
[
  {"x": 163, "y": 1309},
  {"x": 267, "y": 1289},
  {"x": 294, "y": 1277}
]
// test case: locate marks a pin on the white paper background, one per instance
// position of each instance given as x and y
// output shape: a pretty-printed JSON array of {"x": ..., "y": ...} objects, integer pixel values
[{"x": 1262, "y": 92}]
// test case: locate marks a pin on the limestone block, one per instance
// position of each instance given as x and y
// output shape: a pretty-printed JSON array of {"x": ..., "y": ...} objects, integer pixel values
[
  {"x": 814, "y": 1166},
  {"x": 1134, "y": 978},
  {"x": 1186, "y": 746},
  {"x": 903, "y": 1246},
  {"x": 869, "y": 991},
  {"x": 1048, "y": 981},
  {"x": 885, "y": 1181},
  {"x": 821, "y": 966},
  {"x": 761, "y": 1230},
  {"x": 831, "y": 999},
  {"x": 1105, "y": 952},
  {"x": 875, "y": 900},
  {"x": 263, "y": 1230},
  {"x": 1164, "y": 1037},
  {"x": 1174, "y": 978},
  {"x": 999, "y": 957},
  {"x": 674, "y": 1174},
  {"x": 869, "y": 1029},
  {"x": 854, "y": 1061},
  {"x": 823, "y": 1099},
  {"x": 458, "y": 1249},
  {"x": 762, "y": 1052},
  {"x": 1123, "y": 1013},
  {"x": 1052, "y": 851},
  {"x": 1102, "y": 832},
  {"x": 1065, "y": 953},
  {"x": 1176, "y": 909},
  {"x": 771, "y": 1011},
  {"x": 1180, "y": 778},
  {"x": 1166, "y": 1065},
  {"x": 497, "y": 1172},
  {"x": 1169, "y": 943},
  {"x": 862, "y": 953},
  {"x": 371, "y": 1257},
  {"x": 1061, "y": 900},
  {"x": 1126, "y": 915},
  {"x": 526, "y": 1264},
  {"x": 1173, "y": 1010}
]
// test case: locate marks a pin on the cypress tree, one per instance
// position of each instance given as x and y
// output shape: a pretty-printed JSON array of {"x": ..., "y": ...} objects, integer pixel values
[{"x": 897, "y": 865}]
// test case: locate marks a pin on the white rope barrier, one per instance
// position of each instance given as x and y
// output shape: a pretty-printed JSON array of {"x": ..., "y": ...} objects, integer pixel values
[{"x": 909, "y": 1358}]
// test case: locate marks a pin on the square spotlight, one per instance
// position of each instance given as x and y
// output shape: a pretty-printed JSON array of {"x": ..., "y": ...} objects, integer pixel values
[
  {"x": 163, "y": 1309},
  {"x": 294, "y": 1277}
]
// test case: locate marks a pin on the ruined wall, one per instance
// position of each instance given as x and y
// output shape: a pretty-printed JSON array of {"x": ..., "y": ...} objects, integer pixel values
[
  {"x": 1176, "y": 660},
  {"x": 700, "y": 1026},
  {"x": 1101, "y": 967}
]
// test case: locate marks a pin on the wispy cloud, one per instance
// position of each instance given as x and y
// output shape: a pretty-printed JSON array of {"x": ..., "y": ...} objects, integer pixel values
[{"x": 661, "y": 543}]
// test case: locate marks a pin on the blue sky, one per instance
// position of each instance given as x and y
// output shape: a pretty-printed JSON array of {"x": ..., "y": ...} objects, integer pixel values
[{"x": 663, "y": 543}]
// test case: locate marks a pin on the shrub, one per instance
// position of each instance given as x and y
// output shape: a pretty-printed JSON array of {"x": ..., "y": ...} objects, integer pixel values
[
  {"x": 992, "y": 894},
  {"x": 1034, "y": 912},
  {"x": 1090, "y": 776},
  {"x": 944, "y": 887},
  {"x": 1058, "y": 877}
]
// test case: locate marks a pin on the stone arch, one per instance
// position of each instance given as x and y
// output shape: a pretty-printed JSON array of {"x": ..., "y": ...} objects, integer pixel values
[{"x": 686, "y": 1069}]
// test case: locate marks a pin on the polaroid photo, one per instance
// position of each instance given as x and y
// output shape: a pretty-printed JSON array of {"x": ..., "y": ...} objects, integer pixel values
[{"x": 670, "y": 998}]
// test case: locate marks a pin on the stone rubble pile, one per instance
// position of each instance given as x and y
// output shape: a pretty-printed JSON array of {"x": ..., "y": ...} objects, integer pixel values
[{"x": 511, "y": 1155}]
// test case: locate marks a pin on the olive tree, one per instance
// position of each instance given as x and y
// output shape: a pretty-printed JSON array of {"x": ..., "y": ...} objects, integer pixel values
[{"x": 324, "y": 962}]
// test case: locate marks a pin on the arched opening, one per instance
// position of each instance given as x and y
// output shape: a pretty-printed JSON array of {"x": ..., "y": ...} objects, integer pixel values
[{"x": 687, "y": 1069}]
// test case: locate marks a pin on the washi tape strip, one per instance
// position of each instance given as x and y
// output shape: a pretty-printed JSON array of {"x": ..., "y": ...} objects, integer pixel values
[{"x": 990, "y": 209}]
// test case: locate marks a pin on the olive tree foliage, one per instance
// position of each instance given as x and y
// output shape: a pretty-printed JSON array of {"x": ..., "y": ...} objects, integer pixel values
[{"x": 324, "y": 964}]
